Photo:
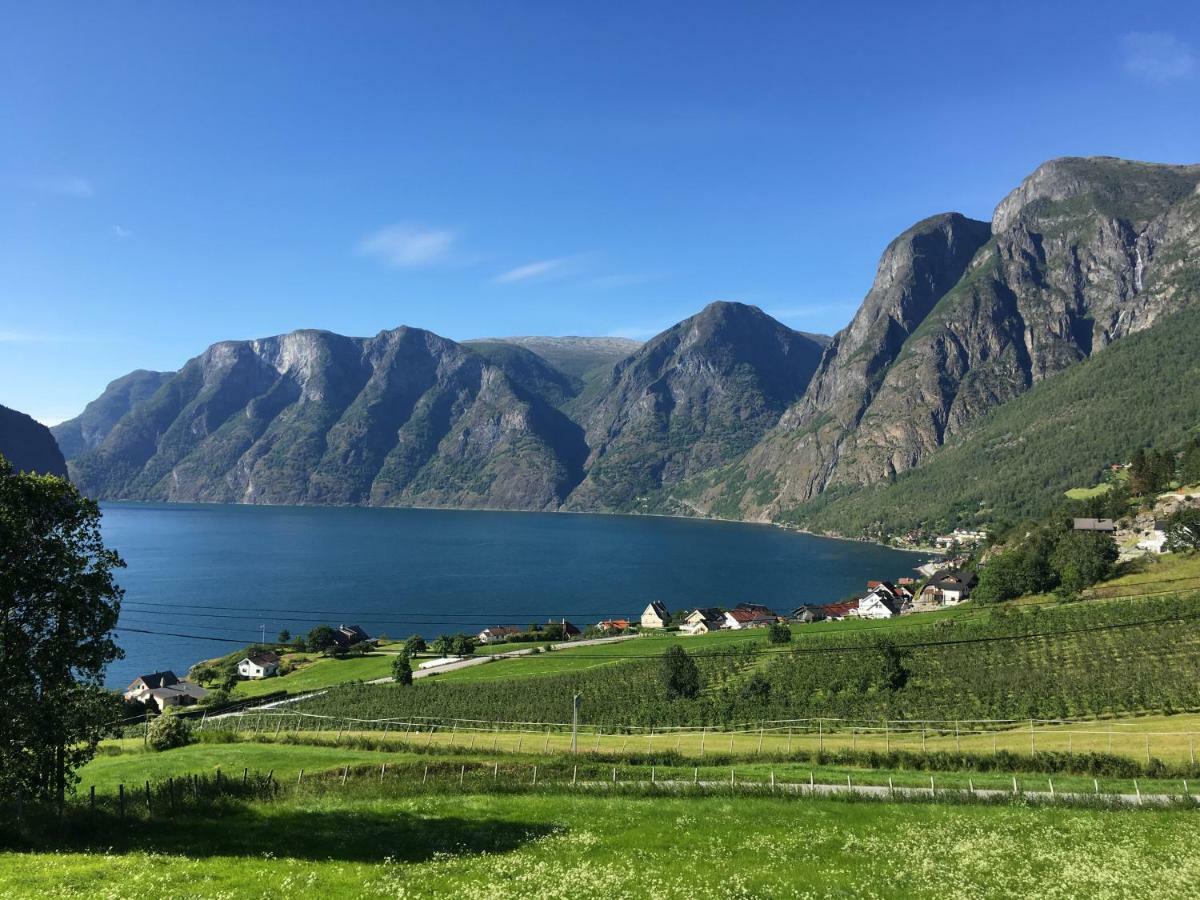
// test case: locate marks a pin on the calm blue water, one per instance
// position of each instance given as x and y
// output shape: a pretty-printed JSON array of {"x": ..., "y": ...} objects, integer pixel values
[{"x": 399, "y": 571}]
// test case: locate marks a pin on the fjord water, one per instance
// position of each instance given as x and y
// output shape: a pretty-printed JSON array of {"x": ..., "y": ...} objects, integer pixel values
[{"x": 214, "y": 576}]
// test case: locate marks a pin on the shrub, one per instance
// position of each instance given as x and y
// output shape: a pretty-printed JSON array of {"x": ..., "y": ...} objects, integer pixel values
[
  {"x": 402, "y": 670},
  {"x": 779, "y": 633},
  {"x": 169, "y": 731}
]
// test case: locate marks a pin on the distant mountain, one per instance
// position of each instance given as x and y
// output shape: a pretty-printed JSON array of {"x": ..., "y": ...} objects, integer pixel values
[
  {"x": 579, "y": 357},
  {"x": 403, "y": 418},
  {"x": 694, "y": 397},
  {"x": 29, "y": 445},
  {"x": 728, "y": 413},
  {"x": 965, "y": 316},
  {"x": 88, "y": 429}
]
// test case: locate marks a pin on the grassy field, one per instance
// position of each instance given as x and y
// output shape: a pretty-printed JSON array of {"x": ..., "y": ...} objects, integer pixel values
[
  {"x": 320, "y": 672},
  {"x": 556, "y": 844},
  {"x": 127, "y": 763},
  {"x": 1154, "y": 575}
]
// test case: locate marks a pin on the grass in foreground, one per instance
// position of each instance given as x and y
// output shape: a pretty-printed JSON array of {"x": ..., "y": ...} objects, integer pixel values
[{"x": 563, "y": 845}]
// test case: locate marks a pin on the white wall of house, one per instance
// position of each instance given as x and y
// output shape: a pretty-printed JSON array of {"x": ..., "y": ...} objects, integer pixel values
[
  {"x": 250, "y": 669},
  {"x": 873, "y": 607},
  {"x": 651, "y": 619}
]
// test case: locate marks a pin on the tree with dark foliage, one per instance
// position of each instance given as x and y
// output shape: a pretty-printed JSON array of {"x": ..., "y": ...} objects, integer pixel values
[
  {"x": 58, "y": 606},
  {"x": 680, "y": 674}
]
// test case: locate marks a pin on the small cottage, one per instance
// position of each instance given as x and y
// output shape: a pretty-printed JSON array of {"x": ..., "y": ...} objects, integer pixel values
[{"x": 263, "y": 664}]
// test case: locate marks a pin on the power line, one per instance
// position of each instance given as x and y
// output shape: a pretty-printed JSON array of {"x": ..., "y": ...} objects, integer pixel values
[{"x": 759, "y": 651}]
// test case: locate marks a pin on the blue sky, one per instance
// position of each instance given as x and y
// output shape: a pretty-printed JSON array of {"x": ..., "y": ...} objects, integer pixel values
[{"x": 177, "y": 174}]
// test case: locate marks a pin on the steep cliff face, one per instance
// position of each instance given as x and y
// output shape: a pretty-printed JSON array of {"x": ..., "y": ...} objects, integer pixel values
[
  {"x": 1083, "y": 253},
  {"x": 696, "y": 396},
  {"x": 963, "y": 318},
  {"x": 29, "y": 445},
  {"x": 89, "y": 429},
  {"x": 313, "y": 417},
  {"x": 915, "y": 271}
]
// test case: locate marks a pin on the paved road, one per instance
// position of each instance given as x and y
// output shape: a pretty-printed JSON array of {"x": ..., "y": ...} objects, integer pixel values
[{"x": 469, "y": 661}]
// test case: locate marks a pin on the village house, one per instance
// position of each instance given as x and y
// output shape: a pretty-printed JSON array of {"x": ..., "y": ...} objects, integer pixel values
[
  {"x": 836, "y": 612},
  {"x": 613, "y": 625},
  {"x": 568, "y": 630},
  {"x": 263, "y": 664},
  {"x": 703, "y": 620},
  {"x": 737, "y": 619},
  {"x": 497, "y": 633},
  {"x": 163, "y": 689},
  {"x": 947, "y": 588},
  {"x": 757, "y": 608},
  {"x": 880, "y": 602},
  {"x": 347, "y": 636},
  {"x": 655, "y": 615},
  {"x": 808, "y": 613}
]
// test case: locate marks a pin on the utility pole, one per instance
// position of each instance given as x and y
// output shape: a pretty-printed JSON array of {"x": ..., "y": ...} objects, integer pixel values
[{"x": 575, "y": 723}]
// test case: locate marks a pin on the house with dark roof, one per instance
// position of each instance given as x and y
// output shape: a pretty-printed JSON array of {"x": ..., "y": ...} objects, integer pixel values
[
  {"x": 808, "y": 613},
  {"x": 656, "y": 615},
  {"x": 880, "y": 602},
  {"x": 163, "y": 689},
  {"x": 950, "y": 587},
  {"x": 703, "y": 620},
  {"x": 498, "y": 633},
  {"x": 568, "y": 630},
  {"x": 1094, "y": 525},
  {"x": 262, "y": 664},
  {"x": 349, "y": 635}
]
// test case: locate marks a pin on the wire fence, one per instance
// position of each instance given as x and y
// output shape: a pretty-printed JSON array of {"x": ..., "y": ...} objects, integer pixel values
[{"x": 1019, "y": 736}]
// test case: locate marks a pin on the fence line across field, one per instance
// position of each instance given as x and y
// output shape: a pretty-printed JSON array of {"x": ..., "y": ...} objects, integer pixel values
[{"x": 835, "y": 731}]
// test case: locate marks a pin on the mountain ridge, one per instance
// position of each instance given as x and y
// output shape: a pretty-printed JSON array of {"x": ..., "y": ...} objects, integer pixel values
[{"x": 728, "y": 413}]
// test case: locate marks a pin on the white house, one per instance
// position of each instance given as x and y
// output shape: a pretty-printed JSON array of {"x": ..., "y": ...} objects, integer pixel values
[
  {"x": 655, "y": 615},
  {"x": 259, "y": 665},
  {"x": 497, "y": 634},
  {"x": 163, "y": 689},
  {"x": 737, "y": 619},
  {"x": 703, "y": 620},
  {"x": 879, "y": 603}
]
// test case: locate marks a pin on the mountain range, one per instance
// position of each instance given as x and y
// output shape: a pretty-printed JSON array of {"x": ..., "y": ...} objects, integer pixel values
[{"x": 727, "y": 413}]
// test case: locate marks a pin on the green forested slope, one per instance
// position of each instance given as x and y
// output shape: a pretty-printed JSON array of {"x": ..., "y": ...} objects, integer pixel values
[{"x": 1140, "y": 391}]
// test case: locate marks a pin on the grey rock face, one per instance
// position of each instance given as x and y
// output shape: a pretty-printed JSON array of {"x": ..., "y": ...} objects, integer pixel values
[{"x": 87, "y": 430}]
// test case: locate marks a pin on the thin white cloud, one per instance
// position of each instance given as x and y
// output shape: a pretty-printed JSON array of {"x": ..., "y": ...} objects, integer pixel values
[
  {"x": 404, "y": 246},
  {"x": 121, "y": 232},
  {"x": 1156, "y": 56},
  {"x": 66, "y": 186},
  {"x": 541, "y": 270}
]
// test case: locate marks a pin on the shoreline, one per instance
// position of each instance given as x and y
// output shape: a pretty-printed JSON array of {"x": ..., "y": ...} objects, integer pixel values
[{"x": 566, "y": 512}]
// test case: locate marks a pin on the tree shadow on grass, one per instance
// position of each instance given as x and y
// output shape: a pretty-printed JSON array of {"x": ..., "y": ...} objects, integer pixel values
[{"x": 347, "y": 835}]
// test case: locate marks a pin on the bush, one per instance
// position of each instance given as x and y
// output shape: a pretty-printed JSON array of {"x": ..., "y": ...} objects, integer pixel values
[
  {"x": 779, "y": 633},
  {"x": 402, "y": 672},
  {"x": 680, "y": 674},
  {"x": 169, "y": 731}
]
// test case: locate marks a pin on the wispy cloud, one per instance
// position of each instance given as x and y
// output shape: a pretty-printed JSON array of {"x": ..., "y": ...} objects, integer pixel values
[
  {"x": 542, "y": 270},
  {"x": 72, "y": 186},
  {"x": 405, "y": 246},
  {"x": 121, "y": 232},
  {"x": 1156, "y": 56}
]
